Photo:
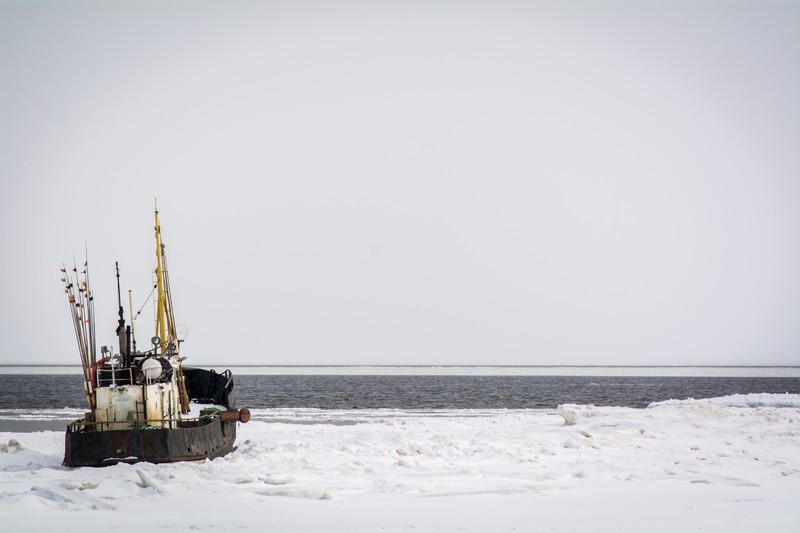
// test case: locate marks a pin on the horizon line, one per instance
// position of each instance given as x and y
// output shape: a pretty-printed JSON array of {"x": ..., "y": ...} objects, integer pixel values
[{"x": 242, "y": 365}]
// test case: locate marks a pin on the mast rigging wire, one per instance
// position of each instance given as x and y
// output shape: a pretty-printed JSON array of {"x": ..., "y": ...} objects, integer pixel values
[{"x": 139, "y": 312}]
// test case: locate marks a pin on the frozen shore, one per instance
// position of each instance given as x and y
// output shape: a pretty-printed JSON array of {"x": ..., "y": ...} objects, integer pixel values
[{"x": 719, "y": 465}]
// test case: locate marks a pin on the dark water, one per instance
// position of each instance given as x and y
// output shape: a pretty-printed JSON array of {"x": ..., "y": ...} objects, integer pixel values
[{"x": 41, "y": 391}]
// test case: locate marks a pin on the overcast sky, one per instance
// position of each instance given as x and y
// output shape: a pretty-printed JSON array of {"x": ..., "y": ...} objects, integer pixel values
[{"x": 401, "y": 182}]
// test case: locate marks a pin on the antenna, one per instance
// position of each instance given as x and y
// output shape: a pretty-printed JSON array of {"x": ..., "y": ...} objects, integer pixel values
[
  {"x": 133, "y": 319},
  {"x": 119, "y": 301},
  {"x": 123, "y": 333}
]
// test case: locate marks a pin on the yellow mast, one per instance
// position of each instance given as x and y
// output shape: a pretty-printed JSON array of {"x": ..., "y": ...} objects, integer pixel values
[
  {"x": 165, "y": 319},
  {"x": 161, "y": 319}
]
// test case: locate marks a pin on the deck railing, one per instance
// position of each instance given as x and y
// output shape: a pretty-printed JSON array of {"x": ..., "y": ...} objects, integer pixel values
[
  {"x": 142, "y": 424},
  {"x": 120, "y": 376}
]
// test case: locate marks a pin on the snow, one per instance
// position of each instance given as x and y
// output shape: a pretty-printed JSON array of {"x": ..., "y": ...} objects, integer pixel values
[{"x": 717, "y": 465}]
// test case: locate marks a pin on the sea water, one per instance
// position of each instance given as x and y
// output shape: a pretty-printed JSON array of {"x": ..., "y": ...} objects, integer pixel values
[{"x": 33, "y": 399}]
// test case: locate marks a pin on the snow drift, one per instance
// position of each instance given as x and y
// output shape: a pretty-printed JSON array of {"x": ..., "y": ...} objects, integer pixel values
[{"x": 723, "y": 464}]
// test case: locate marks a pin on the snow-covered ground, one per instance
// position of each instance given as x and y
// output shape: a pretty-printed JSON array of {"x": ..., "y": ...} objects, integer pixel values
[{"x": 719, "y": 465}]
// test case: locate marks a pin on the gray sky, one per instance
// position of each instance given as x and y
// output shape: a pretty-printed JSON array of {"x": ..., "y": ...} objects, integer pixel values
[{"x": 606, "y": 182}]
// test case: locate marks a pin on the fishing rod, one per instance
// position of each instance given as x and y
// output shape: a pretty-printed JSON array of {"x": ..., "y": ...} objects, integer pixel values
[
  {"x": 74, "y": 305},
  {"x": 91, "y": 347},
  {"x": 80, "y": 311},
  {"x": 69, "y": 290},
  {"x": 90, "y": 313}
]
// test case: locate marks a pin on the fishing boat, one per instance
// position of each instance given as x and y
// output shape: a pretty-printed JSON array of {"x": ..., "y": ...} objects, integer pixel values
[{"x": 145, "y": 405}]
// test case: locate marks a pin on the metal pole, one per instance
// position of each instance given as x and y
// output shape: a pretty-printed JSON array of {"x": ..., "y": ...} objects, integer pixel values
[{"x": 130, "y": 306}]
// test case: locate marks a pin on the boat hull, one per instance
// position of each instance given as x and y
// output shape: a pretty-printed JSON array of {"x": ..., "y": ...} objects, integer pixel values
[
  {"x": 103, "y": 448},
  {"x": 193, "y": 439}
]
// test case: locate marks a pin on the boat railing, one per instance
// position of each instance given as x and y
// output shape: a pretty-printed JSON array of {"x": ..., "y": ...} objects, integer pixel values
[
  {"x": 142, "y": 424},
  {"x": 118, "y": 376}
]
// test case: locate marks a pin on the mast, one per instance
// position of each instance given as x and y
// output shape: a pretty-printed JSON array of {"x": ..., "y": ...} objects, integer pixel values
[
  {"x": 130, "y": 307},
  {"x": 122, "y": 331},
  {"x": 165, "y": 318},
  {"x": 161, "y": 321}
]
